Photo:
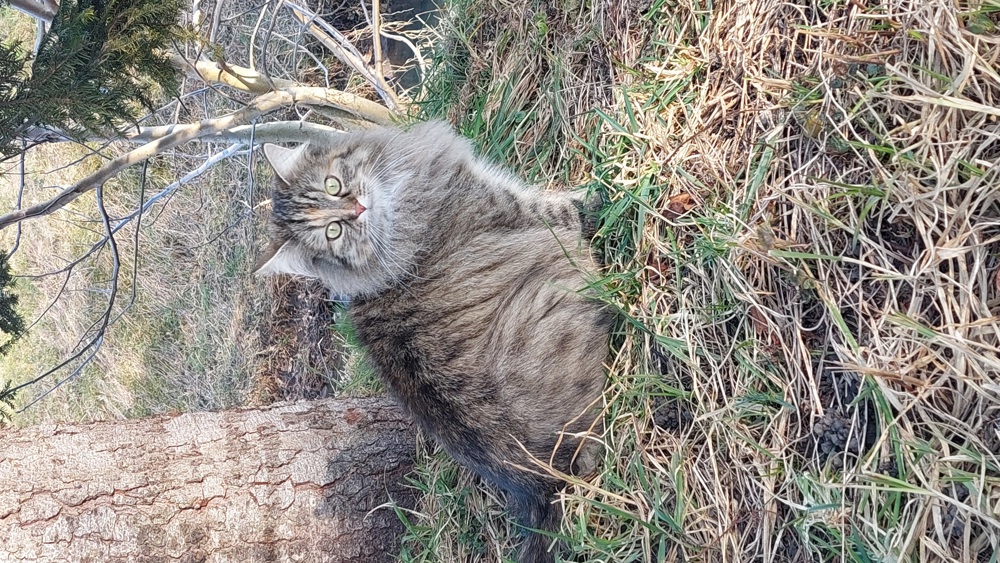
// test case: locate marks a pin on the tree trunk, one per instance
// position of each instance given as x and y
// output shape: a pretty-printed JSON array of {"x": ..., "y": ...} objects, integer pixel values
[{"x": 302, "y": 481}]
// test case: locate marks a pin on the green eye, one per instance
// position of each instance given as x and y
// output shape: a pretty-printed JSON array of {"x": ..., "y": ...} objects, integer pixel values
[
  {"x": 334, "y": 230},
  {"x": 334, "y": 187}
]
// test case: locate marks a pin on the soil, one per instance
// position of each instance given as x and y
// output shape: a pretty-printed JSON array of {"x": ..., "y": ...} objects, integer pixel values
[
  {"x": 302, "y": 352},
  {"x": 672, "y": 414}
]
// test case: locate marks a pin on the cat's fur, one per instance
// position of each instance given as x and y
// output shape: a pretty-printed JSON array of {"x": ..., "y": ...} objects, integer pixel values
[{"x": 468, "y": 292}]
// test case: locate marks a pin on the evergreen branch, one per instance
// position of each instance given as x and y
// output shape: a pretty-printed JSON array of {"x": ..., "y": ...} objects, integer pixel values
[
  {"x": 11, "y": 323},
  {"x": 101, "y": 62}
]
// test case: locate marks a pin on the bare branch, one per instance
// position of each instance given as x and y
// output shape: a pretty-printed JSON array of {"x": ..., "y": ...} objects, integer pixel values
[
  {"x": 345, "y": 51},
  {"x": 40, "y": 29},
  {"x": 241, "y": 78},
  {"x": 262, "y": 105},
  {"x": 43, "y": 10},
  {"x": 377, "y": 41},
  {"x": 101, "y": 323},
  {"x": 276, "y": 132},
  {"x": 216, "y": 18},
  {"x": 37, "y": 134},
  {"x": 249, "y": 80},
  {"x": 20, "y": 198},
  {"x": 256, "y": 30}
]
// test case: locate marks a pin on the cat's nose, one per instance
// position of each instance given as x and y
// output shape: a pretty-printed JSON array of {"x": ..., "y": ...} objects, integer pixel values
[{"x": 358, "y": 208}]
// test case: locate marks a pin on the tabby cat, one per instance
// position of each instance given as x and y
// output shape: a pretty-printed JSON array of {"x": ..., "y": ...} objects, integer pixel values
[{"x": 468, "y": 291}]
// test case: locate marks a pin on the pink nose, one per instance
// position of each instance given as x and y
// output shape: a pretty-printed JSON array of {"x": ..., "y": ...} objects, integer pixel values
[{"x": 358, "y": 208}]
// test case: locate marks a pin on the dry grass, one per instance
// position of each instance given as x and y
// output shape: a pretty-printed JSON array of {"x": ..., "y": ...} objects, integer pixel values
[
  {"x": 17, "y": 26},
  {"x": 803, "y": 239},
  {"x": 815, "y": 250},
  {"x": 185, "y": 339}
]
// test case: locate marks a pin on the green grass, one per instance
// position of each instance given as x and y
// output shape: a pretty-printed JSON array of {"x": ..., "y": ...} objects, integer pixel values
[{"x": 499, "y": 116}]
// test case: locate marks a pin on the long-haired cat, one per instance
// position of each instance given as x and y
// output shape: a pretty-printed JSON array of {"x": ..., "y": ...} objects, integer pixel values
[{"x": 468, "y": 291}]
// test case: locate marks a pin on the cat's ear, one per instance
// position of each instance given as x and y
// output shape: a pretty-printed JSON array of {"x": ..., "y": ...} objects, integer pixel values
[
  {"x": 283, "y": 257},
  {"x": 283, "y": 160}
]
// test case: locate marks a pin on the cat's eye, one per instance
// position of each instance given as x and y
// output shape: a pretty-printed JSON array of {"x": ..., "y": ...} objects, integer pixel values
[
  {"x": 334, "y": 230},
  {"x": 334, "y": 186}
]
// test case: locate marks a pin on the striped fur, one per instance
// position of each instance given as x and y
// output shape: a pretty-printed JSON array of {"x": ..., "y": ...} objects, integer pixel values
[{"x": 468, "y": 291}]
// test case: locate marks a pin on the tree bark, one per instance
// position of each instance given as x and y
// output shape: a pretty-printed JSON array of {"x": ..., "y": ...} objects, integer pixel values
[{"x": 292, "y": 482}]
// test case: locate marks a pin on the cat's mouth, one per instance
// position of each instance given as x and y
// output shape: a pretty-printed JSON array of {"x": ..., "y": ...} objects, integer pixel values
[{"x": 360, "y": 206}]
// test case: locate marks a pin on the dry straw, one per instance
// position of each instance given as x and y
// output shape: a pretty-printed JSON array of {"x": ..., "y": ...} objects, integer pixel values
[{"x": 815, "y": 256}]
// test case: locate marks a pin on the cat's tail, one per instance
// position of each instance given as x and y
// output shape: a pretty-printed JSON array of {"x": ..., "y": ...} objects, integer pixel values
[{"x": 537, "y": 512}]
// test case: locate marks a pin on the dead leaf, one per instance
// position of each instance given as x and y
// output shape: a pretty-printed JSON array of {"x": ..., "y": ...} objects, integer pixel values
[
  {"x": 658, "y": 269},
  {"x": 680, "y": 204}
]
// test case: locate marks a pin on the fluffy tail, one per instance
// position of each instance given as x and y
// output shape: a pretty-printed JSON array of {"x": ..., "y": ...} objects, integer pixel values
[{"x": 537, "y": 512}]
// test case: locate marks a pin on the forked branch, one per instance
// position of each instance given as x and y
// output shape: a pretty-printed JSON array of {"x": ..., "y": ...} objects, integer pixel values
[
  {"x": 345, "y": 51},
  {"x": 249, "y": 80}
]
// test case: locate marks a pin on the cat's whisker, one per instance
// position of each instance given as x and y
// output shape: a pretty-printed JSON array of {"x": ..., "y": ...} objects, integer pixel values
[{"x": 381, "y": 253}]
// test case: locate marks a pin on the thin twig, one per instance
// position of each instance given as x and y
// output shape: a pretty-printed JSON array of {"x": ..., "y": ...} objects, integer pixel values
[
  {"x": 421, "y": 63},
  {"x": 256, "y": 29},
  {"x": 135, "y": 246},
  {"x": 17, "y": 202},
  {"x": 104, "y": 320},
  {"x": 122, "y": 222},
  {"x": 166, "y": 191}
]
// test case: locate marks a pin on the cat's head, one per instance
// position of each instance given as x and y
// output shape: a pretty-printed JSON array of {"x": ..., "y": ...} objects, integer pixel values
[{"x": 336, "y": 211}]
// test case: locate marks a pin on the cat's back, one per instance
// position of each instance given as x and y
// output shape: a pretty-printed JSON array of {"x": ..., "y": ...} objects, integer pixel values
[{"x": 496, "y": 339}]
